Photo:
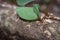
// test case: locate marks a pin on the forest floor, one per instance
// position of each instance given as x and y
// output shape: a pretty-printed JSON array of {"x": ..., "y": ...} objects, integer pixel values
[{"x": 13, "y": 28}]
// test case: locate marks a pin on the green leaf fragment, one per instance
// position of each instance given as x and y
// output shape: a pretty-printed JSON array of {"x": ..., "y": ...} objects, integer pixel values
[
  {"x": 23, "y": 2},
  {"x": 26, "y": 13},
  {"x": 36, "y": 8}
]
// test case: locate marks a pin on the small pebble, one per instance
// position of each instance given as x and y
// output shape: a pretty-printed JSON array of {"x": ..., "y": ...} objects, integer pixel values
[
  {"x": 28, "y": 26},
  {"x": 48, "y": 33},
  {"x": 38, "y": 22}
]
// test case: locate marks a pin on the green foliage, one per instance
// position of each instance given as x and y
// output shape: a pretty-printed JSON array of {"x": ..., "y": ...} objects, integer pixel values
[
  {"x": 23, "y": 2},
  {"x": 10, "y": 1},
  {"x": 47, "y": 1},
  {"x": 36, "y": 8},
  {"x": 26, "y": 13}
]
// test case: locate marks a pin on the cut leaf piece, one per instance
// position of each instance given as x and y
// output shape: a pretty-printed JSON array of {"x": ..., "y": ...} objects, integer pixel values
[
  {"x": 36, "y": 8},
  {"x": 26, "y": 13},
  {"x": 23, "y": 2}
]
